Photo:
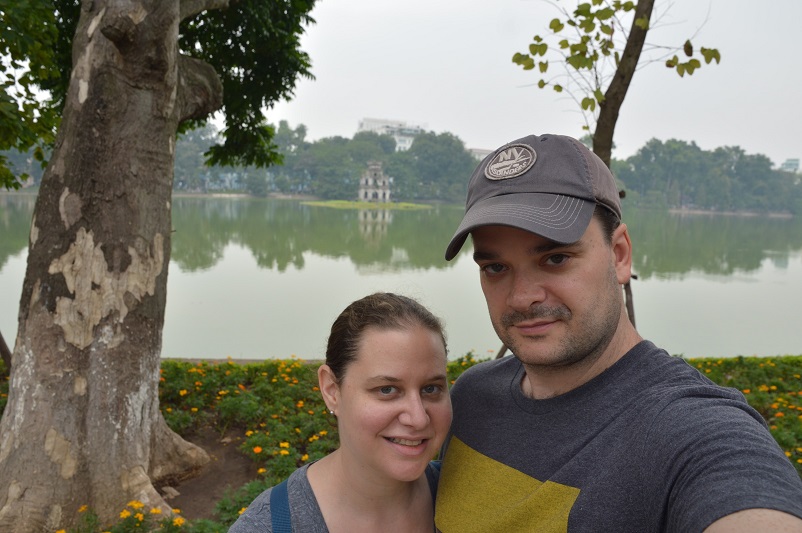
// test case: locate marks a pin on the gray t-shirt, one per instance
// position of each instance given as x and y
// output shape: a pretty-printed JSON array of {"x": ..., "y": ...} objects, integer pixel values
[
  {"x": 648, "y": 445},
  {"x": 305, "y": 512}
]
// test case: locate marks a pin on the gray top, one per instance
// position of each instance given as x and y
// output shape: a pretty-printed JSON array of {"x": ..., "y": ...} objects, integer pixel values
[
  {"x": 305, "y": 512},
  {"x": 648, "y": 445}
]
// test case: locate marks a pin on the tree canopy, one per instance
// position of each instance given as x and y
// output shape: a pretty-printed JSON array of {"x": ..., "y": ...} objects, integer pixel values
[{"x": 257, "y": 68}]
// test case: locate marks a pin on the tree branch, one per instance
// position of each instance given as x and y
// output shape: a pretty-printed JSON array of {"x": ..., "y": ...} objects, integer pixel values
[
  {"x": 614, "y": 97},
  {"x": 200, "y": 91}
]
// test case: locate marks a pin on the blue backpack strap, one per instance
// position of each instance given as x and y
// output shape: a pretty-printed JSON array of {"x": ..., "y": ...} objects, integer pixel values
[{"x": 280, "y": 508}]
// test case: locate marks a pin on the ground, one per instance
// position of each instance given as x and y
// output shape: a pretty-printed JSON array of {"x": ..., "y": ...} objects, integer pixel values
[{"x": 228, "y": 469}]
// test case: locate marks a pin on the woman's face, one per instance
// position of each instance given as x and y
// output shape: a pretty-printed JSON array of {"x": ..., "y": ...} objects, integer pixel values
[{"x": 392, "y": 405}]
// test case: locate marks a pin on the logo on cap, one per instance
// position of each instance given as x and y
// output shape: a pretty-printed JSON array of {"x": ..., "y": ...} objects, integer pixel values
[{"x": 510, "y": 162}]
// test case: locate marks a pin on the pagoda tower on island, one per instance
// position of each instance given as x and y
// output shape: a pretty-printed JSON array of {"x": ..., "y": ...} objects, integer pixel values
[{"x": 374, "y": 186}]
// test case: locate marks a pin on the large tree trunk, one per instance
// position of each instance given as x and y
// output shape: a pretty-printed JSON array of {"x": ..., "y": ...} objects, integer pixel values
[{"x": 82, "y": 425}]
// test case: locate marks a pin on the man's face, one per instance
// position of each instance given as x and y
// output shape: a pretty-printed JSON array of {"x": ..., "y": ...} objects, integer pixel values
[{"x": 553, "y": 305}]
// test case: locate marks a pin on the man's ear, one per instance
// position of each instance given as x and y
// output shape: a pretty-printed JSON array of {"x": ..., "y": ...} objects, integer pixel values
[
  {"x": 622, "y": 253},
  {"x": 329, "y": 387}
]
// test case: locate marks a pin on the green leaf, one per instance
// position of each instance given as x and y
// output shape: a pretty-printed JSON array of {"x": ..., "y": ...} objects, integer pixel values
[
  {"x": 558, "y": 88},
  {"x": 541, "y": 84},
  {"x": 598, "y": 95},
  {"x": 604, "y": 14},
  {"x": 556, "y": 26},
  {"x": 606, "y": 29},
  {"x": 692, "y": 65},
  {"x": 642, "y": 23},
  {"x": 564, "y": 44},
  {"x": 588, "y": 104},
  {"x": 688, "y": 48},
  {"x": 543, "y": 66},
  {"x": 523, "y": 60},
  {"x": 538, "y": 49},
  {"x": 681, "y": 69},
  {"x": 710, "y": 54}
]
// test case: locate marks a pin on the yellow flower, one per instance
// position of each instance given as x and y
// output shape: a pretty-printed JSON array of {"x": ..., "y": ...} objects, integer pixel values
[
  {"x": 283, "y": 444},
  {"x": 284, "y": 452},
  {"x": 155, "y": 510},
  {"x": 135, "y": 504},
  {"x": 324, "y": 432},
  {"x": 61, "y": 531},
  {"x": 242, "y": 510},
  {"x": 125, "y": 513},
  {"x": 248, "y": 433},
  {"x": 178, "y": 521},
  {"x": 305, "y": 457},
  {"x": 140, "y": 516},
  {"x": 261, "y": 471},
  {"x": 183, "y": 392},
  {"x": 83, "y": 508}
]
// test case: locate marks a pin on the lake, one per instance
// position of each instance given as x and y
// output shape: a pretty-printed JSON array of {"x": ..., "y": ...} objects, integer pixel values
[{"x": 256, "y": 278}]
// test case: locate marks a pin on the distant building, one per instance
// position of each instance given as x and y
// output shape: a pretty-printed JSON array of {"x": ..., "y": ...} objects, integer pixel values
[
  {"x": 479, "y": 153},
  {"x": 403, "y": 132},
  {"x": 374, "y": 186},
  {"x": 790, "y": 165}
]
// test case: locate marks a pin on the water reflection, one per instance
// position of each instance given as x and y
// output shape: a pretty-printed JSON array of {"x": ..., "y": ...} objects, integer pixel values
[
  {"x": 265, "y": 277},
  {"x": 278, "y": 233}
]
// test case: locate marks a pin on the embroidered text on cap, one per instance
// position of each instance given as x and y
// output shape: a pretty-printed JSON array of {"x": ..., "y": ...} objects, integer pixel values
[{"x": 510, "y": 162}]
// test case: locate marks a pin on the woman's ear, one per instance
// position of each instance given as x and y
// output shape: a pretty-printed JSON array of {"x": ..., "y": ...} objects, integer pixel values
[{"x": 329, "y": 387}]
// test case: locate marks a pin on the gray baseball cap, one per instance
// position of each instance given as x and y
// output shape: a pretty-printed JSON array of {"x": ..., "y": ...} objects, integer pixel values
[{"x": 548, "y": 185}]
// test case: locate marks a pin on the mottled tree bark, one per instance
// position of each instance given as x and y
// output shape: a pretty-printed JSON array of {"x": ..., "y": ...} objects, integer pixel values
[{"x": 82, "y": 425}]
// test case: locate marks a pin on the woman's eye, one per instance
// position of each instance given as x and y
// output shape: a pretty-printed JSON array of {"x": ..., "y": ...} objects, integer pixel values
[
  {"x": 386, "y": 389},
  {"x": 431, "y": 389}
]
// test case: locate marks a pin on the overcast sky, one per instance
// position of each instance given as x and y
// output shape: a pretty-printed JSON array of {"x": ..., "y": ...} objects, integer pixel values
[{"x": 446, "y": 64}]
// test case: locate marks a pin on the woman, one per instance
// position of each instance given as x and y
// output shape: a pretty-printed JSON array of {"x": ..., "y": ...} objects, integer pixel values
[{"x": 385, "y": 381}]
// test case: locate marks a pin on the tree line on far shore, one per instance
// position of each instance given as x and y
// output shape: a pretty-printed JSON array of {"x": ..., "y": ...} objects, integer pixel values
[{"x": 666, "y": 174}]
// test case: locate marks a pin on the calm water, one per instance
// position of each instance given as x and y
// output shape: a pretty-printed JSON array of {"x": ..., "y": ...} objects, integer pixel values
[{"x": 265, "y": 278}]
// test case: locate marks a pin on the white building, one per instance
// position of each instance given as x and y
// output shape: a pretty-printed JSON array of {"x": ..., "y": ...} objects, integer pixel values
[
  {"x": 403, "y": 132},
  {"x": 790, "y": 165}
]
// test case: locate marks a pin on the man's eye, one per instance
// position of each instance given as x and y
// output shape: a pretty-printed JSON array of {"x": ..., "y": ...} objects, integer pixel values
[
  {"x": 492, "y": 268},
  {"x": 557, "y": 259}
]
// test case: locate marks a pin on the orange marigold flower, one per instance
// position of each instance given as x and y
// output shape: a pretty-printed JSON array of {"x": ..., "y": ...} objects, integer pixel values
[
  {"x": 257, "y": 449},
  {"x": 183, "y": 392}
]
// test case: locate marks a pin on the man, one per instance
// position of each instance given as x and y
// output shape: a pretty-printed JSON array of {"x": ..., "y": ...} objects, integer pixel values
[{"x": 588, "y": 427}]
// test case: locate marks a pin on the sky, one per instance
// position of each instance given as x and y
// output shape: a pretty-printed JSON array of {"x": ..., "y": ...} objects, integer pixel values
[{"x": 446, "y": 65}]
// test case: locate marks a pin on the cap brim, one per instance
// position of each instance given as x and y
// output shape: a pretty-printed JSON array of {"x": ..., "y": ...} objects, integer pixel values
[{"x": 556, "y": 217}]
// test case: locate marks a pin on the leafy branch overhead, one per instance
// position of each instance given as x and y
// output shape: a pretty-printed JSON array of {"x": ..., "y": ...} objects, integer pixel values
[{"x": 591, "y": 41}]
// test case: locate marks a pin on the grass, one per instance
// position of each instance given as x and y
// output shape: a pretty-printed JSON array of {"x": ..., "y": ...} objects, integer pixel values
[{"x": 277, "y": 406}]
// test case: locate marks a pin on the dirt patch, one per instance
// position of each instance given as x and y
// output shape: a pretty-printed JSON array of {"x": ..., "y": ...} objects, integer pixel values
[{"x": 228, "y": 469}]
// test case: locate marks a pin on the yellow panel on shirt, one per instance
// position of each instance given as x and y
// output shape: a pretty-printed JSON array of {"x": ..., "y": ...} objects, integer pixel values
[{"x": 480, "y": 494}]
